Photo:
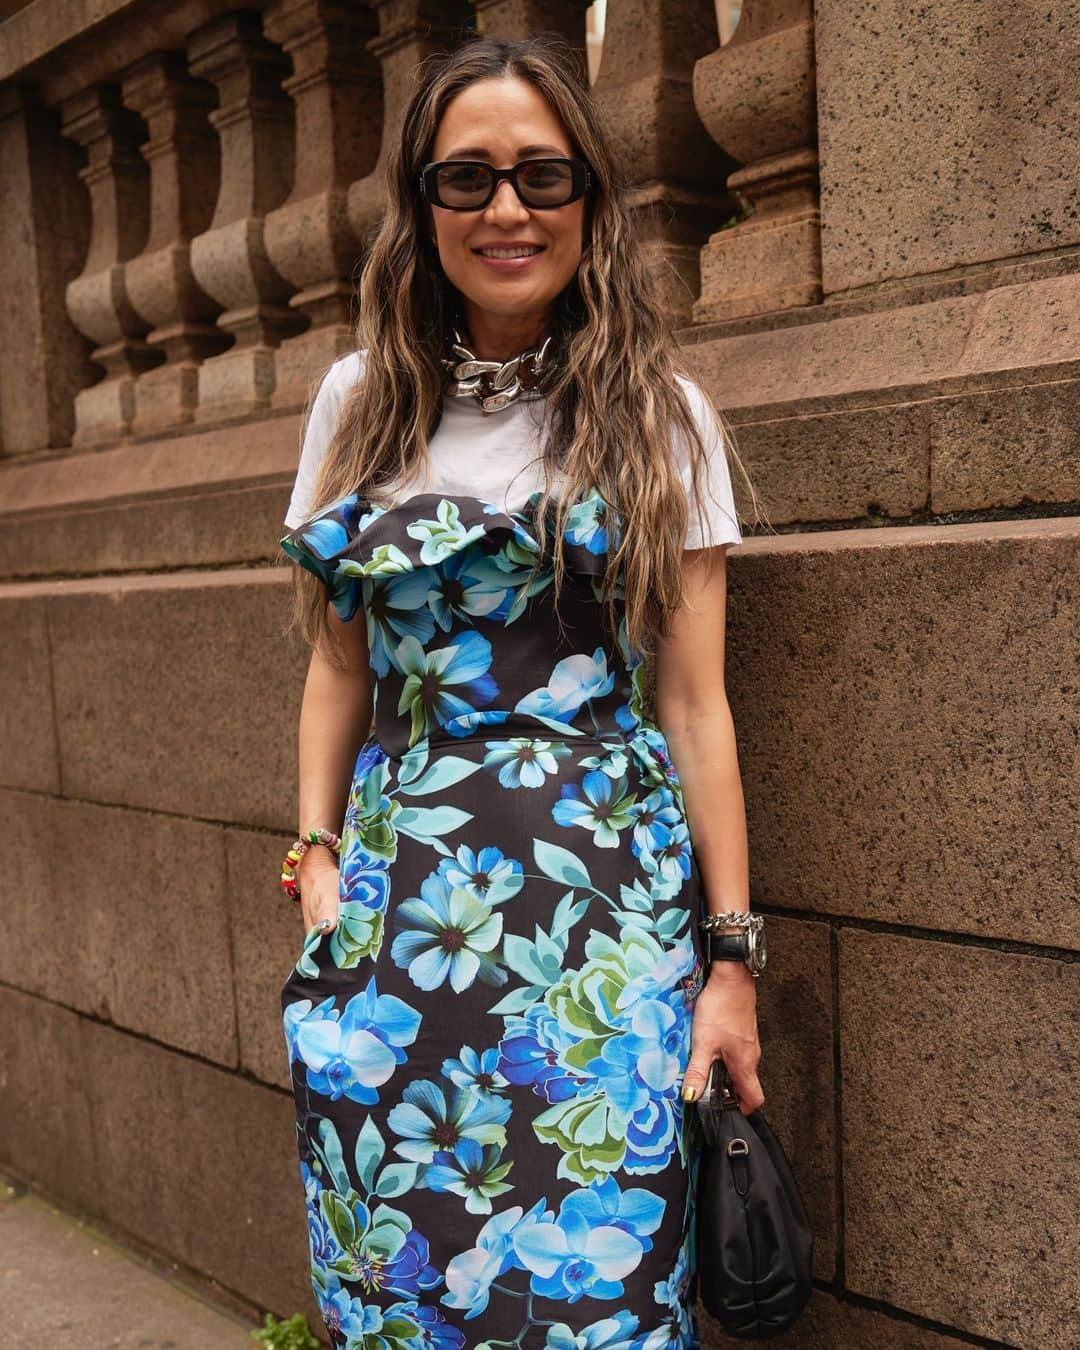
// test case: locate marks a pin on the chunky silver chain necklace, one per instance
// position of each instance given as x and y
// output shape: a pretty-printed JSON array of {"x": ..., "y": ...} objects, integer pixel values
[{"x": 495, "y": 384}]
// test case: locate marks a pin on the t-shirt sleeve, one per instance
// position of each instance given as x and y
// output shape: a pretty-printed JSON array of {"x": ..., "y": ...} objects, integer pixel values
[
  {"x": 322, "y": 423},
  {"x": 721, "y": 524}
]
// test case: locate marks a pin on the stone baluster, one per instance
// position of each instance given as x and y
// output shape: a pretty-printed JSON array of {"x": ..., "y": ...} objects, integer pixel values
[
  {"x": 515, "y": 18},
  {"x": 45, "y": 226},
  {"x": 182, "y": 152},
  {"x": 230, "y": 262},
  {"x": 336, "y": 91},
  {"x": 97, "y": 300},
  {"x": 676, "y": 171},
  {"x": 409, "y": 30},
  {"x": 757, "y": 96}
]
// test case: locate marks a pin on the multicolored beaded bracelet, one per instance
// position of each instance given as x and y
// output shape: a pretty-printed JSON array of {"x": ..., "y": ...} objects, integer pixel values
[{"x": 300, "y": 846}]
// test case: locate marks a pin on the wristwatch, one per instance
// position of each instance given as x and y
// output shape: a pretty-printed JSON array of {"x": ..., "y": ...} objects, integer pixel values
[{"x": 747, "y": 946}]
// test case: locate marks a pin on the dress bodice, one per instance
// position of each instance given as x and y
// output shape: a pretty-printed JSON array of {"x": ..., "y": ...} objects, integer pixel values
[{"x": 457, "y": 631}]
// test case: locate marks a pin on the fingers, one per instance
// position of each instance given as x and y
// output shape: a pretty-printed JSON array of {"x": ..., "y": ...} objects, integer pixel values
[
  {"x": 748, "y": 1089},
  {"x": 697, "y": 1071},
  {"x": 321, "y": 908},
  {"x": 744, "y": 1080}
]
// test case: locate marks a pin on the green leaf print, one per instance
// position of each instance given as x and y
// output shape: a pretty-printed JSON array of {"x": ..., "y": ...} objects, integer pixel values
[
  {"x": 560, "y": 864},
  {"x": 444, "y": 773}
]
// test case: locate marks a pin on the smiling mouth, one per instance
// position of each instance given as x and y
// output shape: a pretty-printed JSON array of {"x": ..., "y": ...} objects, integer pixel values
[{"x": 521, "y": 252}]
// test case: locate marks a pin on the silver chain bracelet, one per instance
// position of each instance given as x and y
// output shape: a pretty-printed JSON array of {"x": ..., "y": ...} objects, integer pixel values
[{"x": 730, "y": 918}]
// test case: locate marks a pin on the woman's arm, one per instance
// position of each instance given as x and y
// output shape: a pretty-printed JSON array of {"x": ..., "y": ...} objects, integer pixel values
[
  {"x": 335, "y": 719},
  {"x": 692, "y": 711}
]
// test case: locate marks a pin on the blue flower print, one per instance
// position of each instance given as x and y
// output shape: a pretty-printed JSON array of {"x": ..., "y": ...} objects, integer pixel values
[
  {"x": 488, "y": 876},
  {"x": 613, "y": 1333},
  {"x": 669, "y": 970},
  {"x": 431, "y": 677},
  {"x": 431, "y": 1120},
  {"x": 653, "y": 1046},
  {"x": 669, "y": 858},
  {"x": 446, "y": 934},
  {"x": 613, "y": 761},
  {"x": 351, "y": 1053},
  {"x": 436, "y": 1332},
  {"x": 578, "y": 1253},
  {"x": 398, "y": 608},
  {"x": 470, "y": 1275},
  {"x": 378, "y": 1249},
  {"x": 574, "y": 680},
  {"x": 674, "y": 1292},
  {"x": 530, "y": 1052},
  {"x": 470, "y": 1171},
  {"x": 597, "y": 804},
  {"x": 524, "y": 762},
  {"x": 637, "y": 1210},
  {"x": 594, "y": 525},
  {"x": 469, "y": 585},
  {"x": 654, "y": 816},
  {"x": 347, "y": 1316},
  {"x": 478, "y": 1073}
]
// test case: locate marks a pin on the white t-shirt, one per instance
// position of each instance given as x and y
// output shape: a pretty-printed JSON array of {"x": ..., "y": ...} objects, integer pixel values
[{"x": 498, "y": 458}]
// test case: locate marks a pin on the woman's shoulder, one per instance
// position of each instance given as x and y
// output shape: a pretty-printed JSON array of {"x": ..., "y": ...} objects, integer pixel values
[{"x": 345, "y": 372}]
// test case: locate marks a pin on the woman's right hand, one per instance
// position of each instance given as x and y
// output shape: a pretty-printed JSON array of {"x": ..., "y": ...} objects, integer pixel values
[{"x": 319, "y": 879}]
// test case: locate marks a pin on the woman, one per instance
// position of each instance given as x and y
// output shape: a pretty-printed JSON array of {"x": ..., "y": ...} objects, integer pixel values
[{"x": 490, "y": 1023}]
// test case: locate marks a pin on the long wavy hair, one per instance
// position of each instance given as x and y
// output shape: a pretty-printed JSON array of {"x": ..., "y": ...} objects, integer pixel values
[{"x": 613, "y": 403}]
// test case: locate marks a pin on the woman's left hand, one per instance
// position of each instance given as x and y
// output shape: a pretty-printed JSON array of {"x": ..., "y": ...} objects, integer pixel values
[{"x": 725, "y": 1027}]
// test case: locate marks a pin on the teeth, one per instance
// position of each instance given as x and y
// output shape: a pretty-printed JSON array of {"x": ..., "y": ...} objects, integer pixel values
[{"x": 509, "y": 252}]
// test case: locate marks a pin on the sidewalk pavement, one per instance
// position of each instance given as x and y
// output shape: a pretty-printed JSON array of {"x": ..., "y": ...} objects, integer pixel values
[{"x": 64, "y": 1285}]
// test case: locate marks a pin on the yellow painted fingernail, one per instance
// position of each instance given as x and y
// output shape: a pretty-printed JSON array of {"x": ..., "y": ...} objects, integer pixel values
[{"x": 689, "y": 1093}]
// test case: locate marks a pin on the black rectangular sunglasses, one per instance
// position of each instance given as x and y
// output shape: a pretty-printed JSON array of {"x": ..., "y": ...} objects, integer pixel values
[{"x": 469, "y": 184}]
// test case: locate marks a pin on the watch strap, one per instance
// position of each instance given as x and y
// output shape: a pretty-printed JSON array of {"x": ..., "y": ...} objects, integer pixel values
[{"x": 727, "y": 946}]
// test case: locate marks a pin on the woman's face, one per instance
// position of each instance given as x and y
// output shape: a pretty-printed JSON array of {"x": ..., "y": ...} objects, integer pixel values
[{"x": 502, "y": 121}]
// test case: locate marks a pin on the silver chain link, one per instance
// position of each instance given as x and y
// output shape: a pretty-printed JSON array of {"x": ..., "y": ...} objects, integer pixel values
[{"x": 495, "y": 384}]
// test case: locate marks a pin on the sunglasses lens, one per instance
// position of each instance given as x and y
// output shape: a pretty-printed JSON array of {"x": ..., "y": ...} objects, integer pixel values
[
  {"x": 546, "y": 184},
  {"x": 463, "y": 184}
]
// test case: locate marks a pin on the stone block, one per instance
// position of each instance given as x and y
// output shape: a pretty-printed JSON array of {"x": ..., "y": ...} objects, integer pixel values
[
  {"x": 46, "y": 1125},
  {"x": 34, "y": 936},
  {"x": 795, "y": 1026},
  {"x": 28, "y": 747},
  {"x": 910, "y": 756},
  {"x": 179, "y": 694},
  {"x": 203, "y": 1164},
  {"x": 960, "y": 1124},
  {"x": 267, "y": 938},
  {"x": 141, "y": 932},
  {"x": 944, "y": 133},
  {"x": 823, "y": 461},
  {"x": 1006, "y": 447},
  {"x": 827, "y": 1323}
]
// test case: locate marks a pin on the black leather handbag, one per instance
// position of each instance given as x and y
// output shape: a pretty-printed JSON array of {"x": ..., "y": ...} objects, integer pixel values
[{"x": 754, "y": 1245}]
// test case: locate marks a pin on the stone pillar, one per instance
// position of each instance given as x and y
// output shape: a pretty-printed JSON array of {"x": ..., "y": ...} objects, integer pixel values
[
  {"x": 514, "y": 18},
  {"x": 336, "y": 91},
  {"x": 757, "y": 96},
  {"x": 230, "y": 261},
  {"x": 98, "y": 300},
  {"x": 676, "y": 171},
  {"x": 45, "y": 226},
  {"x": 409, "y": 30},
  {"x": 182, "y": 153}
]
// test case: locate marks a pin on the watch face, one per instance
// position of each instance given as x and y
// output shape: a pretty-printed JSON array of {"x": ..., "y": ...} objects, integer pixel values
[{"x": 758, "y": 953}]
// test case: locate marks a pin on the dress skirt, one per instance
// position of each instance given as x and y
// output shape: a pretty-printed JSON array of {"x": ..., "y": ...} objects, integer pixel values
[{"x": 487, "y": 1051}]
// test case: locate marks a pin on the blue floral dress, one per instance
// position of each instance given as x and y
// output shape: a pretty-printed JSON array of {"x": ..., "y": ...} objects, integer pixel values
[{"x": 487, "y": 1051}]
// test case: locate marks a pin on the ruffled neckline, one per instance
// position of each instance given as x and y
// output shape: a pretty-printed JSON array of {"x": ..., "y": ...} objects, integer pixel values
[{"x": 354, "y": 538}]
